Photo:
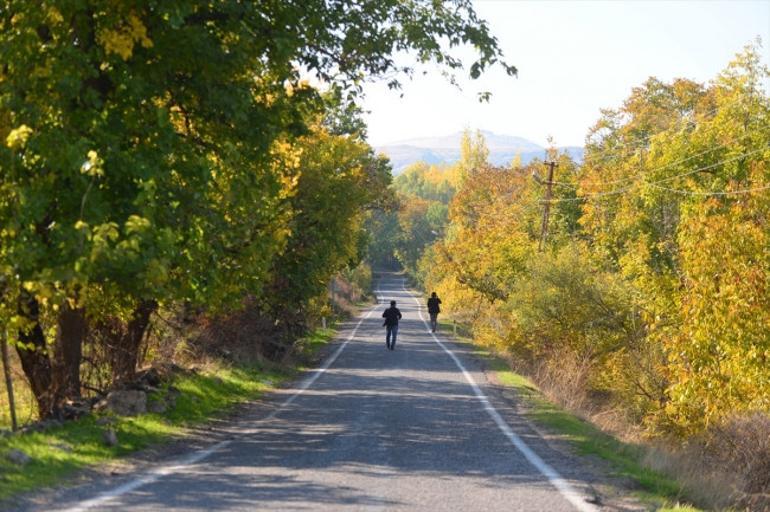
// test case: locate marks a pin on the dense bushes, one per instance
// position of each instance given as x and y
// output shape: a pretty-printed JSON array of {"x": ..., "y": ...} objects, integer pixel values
[
  {"x": 651, "y": 294},
  {"x": 648, "y": 308}
]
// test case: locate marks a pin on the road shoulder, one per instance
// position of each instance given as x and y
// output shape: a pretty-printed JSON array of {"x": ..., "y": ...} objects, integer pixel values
[
  {"x": 617, "y": 480},
  {"x": 84, "y": 482}
]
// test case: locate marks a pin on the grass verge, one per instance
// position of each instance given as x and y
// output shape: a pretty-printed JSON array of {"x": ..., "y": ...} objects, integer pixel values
[
  {"x": 60, "y": 451},
  {"x": 660, "y": 491}
]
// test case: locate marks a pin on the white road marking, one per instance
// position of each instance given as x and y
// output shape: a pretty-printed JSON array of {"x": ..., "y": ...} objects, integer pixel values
[
  {"x": 149, "y": 478},
  {"x": 197, "y": 456},
  {"x": 320, "y": 371},
  {"x": 570, "y": 493}
]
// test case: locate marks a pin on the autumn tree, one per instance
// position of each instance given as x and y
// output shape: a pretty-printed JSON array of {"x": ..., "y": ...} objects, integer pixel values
[
  {"x": 338, "y": 180},
  {"x": 149, "y": 147},
  {"x": 650, "y": 295}
]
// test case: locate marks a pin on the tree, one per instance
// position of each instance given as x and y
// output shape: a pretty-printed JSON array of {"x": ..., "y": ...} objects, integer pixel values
[
  {"x": 416, "y": 232},
  {"x": 473, "y": 155},
  {"x": 383, "y": 233},
  {"x": 338, "y": 179},
  {"x": 425, "y": 181},
  {"x": 652, "y": 293},
  {"x": 167, "y": 124}
]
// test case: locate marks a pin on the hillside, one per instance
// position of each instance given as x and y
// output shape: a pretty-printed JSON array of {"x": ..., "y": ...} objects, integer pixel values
[{"x": 446, "y": 149}]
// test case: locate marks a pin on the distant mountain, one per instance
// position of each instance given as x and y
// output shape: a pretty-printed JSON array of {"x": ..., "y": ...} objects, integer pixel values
[
  {"x": 494, "y": 142},
  {"x": 446, "y": 150}
]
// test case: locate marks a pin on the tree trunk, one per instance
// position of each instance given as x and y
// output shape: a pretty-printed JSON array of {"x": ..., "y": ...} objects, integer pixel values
[
  {"x": 125, "y": 350},
  {"x": 68, "y": 353},
  {"x": 8, "y": 379},
  {"x": 34, "y": 356}
]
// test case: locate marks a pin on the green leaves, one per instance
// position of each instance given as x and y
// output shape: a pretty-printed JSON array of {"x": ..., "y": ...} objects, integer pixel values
[{"x": 170, "y": 151}]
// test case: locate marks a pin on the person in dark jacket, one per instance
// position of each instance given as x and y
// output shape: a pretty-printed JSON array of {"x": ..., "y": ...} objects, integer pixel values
[
  {"x": 434, "y": 310},
  {"x": 391, "y": 315}
]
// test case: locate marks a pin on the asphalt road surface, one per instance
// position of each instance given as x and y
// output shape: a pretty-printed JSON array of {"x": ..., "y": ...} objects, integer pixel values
[{"x": 418, "y": 428}]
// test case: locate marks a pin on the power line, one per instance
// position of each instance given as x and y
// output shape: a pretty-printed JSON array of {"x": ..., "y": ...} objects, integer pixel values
[
  {"x": 687, "y": 159},
  {"x": 666, "y": 166},
  {"x": 662, "y": 180},
  {"x": 591, "y": 196},
  {"x": 655, "y": 184},
  {"x": 669, "y": 165},
  {"x": 709, "y": 167},
  {"x": 715, "y": 193},
  {"x": 647, "y": 138}
]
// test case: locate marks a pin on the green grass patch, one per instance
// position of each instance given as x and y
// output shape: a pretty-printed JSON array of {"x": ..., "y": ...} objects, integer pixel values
[
  {"x": 658, "y": 489},
  {"x": 58, "y": 452},
  {"x": 312, "y": 343}
]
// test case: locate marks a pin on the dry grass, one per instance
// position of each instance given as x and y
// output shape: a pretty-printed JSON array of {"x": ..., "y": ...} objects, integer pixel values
[
  {"x": 728, "y": 467},
  {"x": 743, "y": 443},
  {"x": 566, "y": 382}
]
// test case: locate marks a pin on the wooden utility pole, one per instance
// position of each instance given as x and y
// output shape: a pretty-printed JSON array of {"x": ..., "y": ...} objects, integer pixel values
[
  {"x": 8, "y": 379},
  {"x": 547, "y": 204}
]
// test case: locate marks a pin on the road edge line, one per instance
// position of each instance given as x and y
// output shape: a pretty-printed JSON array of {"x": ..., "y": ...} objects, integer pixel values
[
  {"x": 199, "y": 455},
  {"x": 571, "y": 494}
]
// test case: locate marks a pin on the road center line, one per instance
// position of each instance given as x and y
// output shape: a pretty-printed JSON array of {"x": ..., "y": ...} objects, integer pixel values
[
  {"x": 565, "y": 489},
  {"x": 198, "y": 455}
]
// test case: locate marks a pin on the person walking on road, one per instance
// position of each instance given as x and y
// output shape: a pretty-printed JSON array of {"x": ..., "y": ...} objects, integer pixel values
[
  {"x": 433, "y": 310},
  {"x": 391, "y": 315}
]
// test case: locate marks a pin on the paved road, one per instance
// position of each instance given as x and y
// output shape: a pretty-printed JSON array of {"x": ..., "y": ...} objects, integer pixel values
[{"x": 375, "y": 430}]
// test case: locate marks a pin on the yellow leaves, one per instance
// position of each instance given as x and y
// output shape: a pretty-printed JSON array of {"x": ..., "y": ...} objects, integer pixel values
[
  {"x": 41, "y": 71},
  {"x": 178, "y": 120},
  {"x": 93, "y": 166},
  {"x": 44, "y": 292},
  {"x": 54, "y": 16},
  {"x": 718, "y": 363},
  {"x": 118, "y": 42},
  {"x": 289, "y": 184},
  {"x": 104, "y": 233},
  {"x": 18, "y": 137},
  {"x": 288, "y": 162},
  {"x": 291, "y": 89},
  {"x": 122, "y": 39},
  {"x": 107, "y": 240},
  {"x": 128, "y": 248},
  {"x": 137, "y": 224},
  {"x": 289, "y": 154}
]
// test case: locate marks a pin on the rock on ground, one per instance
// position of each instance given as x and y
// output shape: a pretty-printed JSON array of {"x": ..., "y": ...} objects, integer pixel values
[
  {"x": 19, "y": 457},
  {"x": 129, "y": 402},
  {"x": 157, "y": 406},
  {"x": 110, "y": 437}
]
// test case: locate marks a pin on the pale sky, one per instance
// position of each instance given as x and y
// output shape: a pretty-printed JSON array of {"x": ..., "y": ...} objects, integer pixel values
[{"x": 573, "y": 59}]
